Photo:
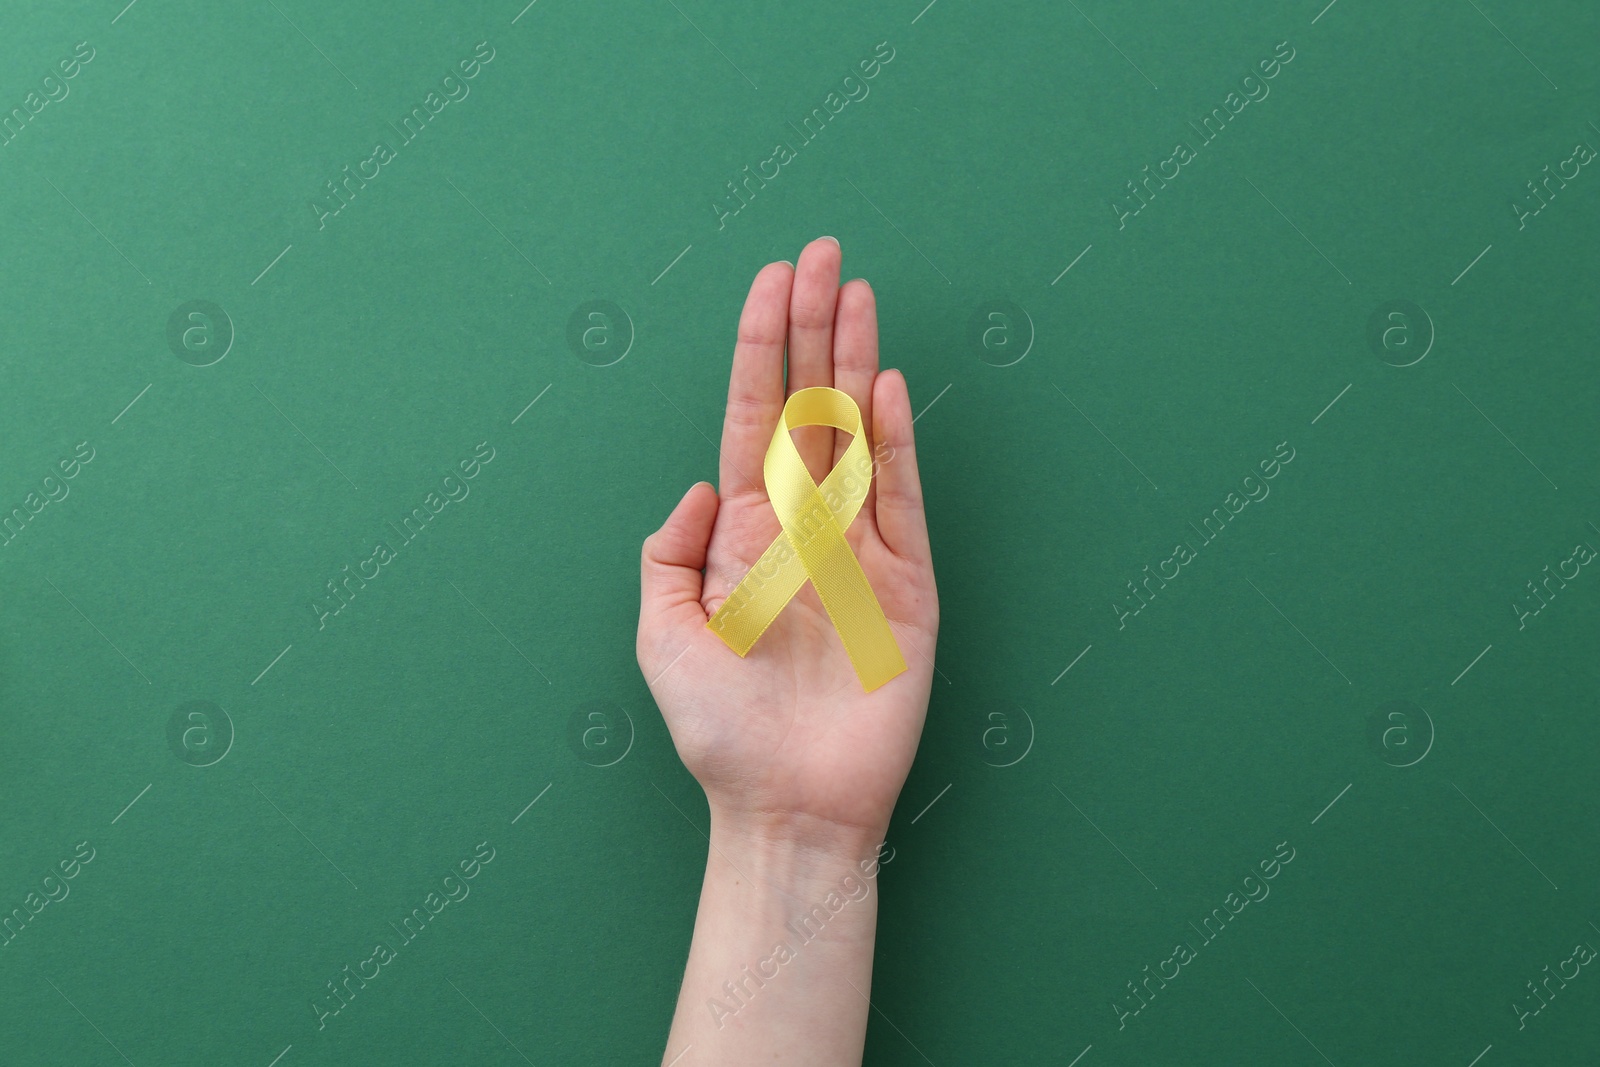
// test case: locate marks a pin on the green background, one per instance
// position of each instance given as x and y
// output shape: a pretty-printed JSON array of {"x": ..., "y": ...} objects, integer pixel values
[{"x": 1081, "y": 820}]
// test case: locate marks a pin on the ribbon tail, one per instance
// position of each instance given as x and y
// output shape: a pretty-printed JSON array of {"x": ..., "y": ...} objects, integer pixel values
[
  {"x": 858, "y": 618},
  {"x": 756, "y": 602}
]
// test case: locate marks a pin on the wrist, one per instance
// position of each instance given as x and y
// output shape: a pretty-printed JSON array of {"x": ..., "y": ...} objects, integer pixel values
[
  {"x": 777, "y": 834},
  {"x": 798, "y": 857},
  {"x": 783, "y": 940}
]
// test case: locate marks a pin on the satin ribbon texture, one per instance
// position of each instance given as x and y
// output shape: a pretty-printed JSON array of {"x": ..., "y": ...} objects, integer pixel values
[{"x": 812, "y": 545}]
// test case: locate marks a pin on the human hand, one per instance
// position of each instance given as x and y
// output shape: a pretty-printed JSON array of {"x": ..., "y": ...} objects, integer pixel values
[{"x": 784, "y": 741}]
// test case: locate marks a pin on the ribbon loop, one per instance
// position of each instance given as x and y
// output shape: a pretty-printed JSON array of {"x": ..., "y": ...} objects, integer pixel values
[{"x": 812, "y": 545}]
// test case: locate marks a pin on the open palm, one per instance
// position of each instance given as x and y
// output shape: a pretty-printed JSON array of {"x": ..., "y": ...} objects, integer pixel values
[{"x": 786, "y": 733}]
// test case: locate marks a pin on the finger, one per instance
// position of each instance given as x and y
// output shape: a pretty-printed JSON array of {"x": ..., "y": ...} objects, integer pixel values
[
  {"x": 755, "y": 387},
  {"x": 811, "y": 307},
  {"x": 902, "y": 522},
  {"x": 672, "y": 558},
  {"x": 855, "y": 357}
]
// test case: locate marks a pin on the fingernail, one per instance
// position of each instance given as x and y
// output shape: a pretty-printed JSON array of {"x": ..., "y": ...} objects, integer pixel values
[
  {"x": 825, "y": 237},
  {"x": 786, "y": 263}
]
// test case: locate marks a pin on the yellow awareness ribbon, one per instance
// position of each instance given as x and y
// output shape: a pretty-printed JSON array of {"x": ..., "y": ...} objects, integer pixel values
[{"x": 812, "y": 545}]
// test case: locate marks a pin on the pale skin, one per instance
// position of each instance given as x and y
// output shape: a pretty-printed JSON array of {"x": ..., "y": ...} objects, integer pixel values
[{"x": 801, "y": 767}]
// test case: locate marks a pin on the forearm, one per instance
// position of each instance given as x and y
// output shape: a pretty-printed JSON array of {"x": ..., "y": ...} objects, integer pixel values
[{"x": 781, "y": 962}]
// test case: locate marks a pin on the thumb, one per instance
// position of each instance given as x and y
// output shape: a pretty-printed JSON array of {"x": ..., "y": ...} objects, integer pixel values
[{"x": 674, "y": 556}]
